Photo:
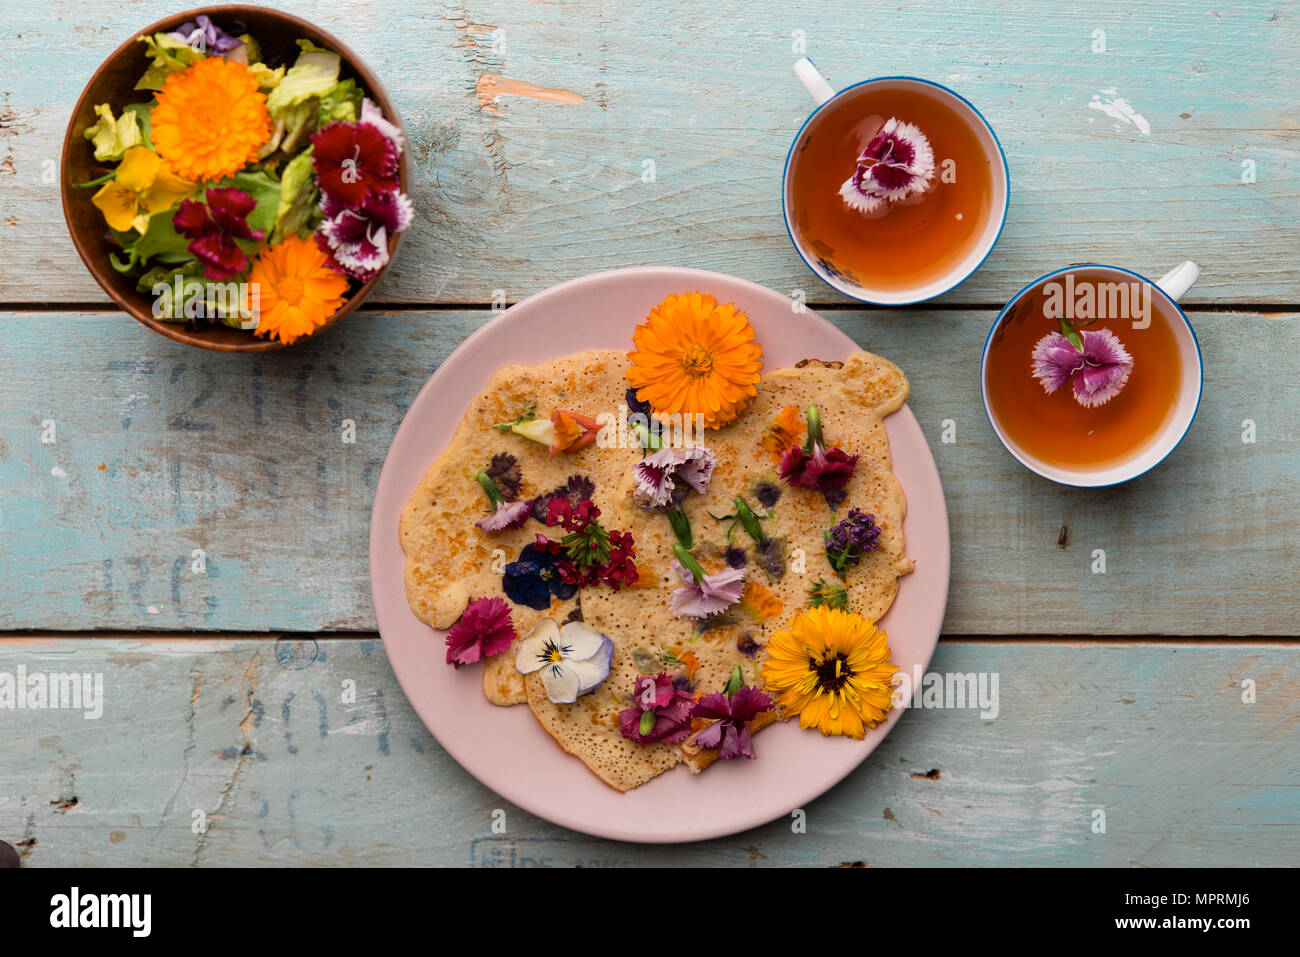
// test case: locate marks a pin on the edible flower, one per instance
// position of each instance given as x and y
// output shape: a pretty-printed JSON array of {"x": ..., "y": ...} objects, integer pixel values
[
  {"x": 1097, "y": 362},
  {"x": 591, "y": 553},
  {"x": 853, "y": 537},
  {"x": 214, "y": 225},
  {"x": 483, "y": 630},
  {"x": 696, "y": 357},
  {"x": 204, "y": 36},
  {"x": 533, "y": 578},
  {"x": 564, "y": 431},
  {"x": 703, "y": 594},
  {"x": 813, "y": 465},
  {"x": 759, "y": 603},
  {"x": 144, "y": 185},
  {"x": 827, "y": 594},
  {"x": 574, "y": 490},
  {"x": 831, "y": 667},
  {"x": 572, "y": 660},
  {"x": 504, "y": 514},
  {"x": 664, "y": 478},
  {"x": 295, "y": 290},
  {"x": 897, "y": 163},
  {"x": 356, "y": 237},
  {"x": 504, "y": 471},
  {"x": 353, "y": 161},
  {"x": 662, "y": 711},
  {"x": 113, "y": 137},
  {"x": 731, "y": 713},
  {"x": 782, "y": 434},
  {"x": 210, "y": 120}
]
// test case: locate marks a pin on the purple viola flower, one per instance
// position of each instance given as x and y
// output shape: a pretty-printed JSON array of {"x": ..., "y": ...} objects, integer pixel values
[
  {"x": 661, "y": 711},
  {"x": 357, "y": 236},
  {"x": 203, "y": 35},
  {"x": 703, "y": 595},
  {"x": 731, "y": 715},
  {"x": 1100, "y": 369},
  {"x": 897, "y": 163},
  {"x": 533, "y": 578}
]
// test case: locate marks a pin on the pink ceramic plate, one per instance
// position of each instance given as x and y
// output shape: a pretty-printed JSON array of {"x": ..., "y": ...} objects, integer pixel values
[{"x": 506, "y": 748}]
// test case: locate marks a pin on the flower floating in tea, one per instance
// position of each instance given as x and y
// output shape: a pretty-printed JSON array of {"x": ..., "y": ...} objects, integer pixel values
[
  {"x": 896, "y": 164},
  {"x": 1096, "y": 361}
]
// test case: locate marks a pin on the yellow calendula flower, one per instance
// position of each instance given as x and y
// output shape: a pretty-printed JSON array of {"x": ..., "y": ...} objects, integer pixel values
[
  {"x": 144, "y": 185},
  {"x": 211, "y": 119},
  {"x": 831, "y": 668},
  {"x": 696, "y": 357}
]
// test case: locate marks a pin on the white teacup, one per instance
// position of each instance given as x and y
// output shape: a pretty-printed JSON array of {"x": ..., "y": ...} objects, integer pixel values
[
  {"x": 1187, "y": 353},
  {"x": 838, "y": 274}
]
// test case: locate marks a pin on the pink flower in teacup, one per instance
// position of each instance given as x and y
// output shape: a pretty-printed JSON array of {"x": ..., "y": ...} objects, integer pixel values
[
  {"x": 1096, "y": 361},
  {"x": 897, "y": 163}
]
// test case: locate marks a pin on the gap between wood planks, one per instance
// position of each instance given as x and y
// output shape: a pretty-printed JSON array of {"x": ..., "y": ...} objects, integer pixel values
[{"x": 42, "y": 637}]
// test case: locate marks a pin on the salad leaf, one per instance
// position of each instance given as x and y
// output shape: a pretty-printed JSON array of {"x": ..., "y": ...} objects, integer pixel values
[
  {"x": 267, "y": 79},
  {"x": 168, "y": 56},
  {"x": 340, "y": 103},
  {"x": 312, "y": 74},
  {"x": 265, "y": 190},
  {"x": 299, "y": 121},
  {"x": 298, "y": 195},
  {"x": 113, "y": 137}
]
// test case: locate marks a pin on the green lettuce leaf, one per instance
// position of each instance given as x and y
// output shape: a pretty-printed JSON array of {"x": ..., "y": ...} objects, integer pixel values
[
  {"x": 312, "y": 74},
  {"x": 113, "y": 137},
  {"x": 168, "y": 56},
  {"x": 340, "y": 103},
  {"x": 297, "y": 210}
]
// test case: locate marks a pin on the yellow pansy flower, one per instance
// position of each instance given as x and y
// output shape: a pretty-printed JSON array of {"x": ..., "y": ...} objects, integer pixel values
[{"x": 144, "y": 185}]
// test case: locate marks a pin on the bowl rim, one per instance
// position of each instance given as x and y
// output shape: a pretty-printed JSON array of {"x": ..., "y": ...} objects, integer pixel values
[{"x": 89, "y": 256}]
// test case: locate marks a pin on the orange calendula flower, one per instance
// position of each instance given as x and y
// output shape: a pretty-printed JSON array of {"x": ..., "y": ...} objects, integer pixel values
[
  {"x": 759, "y": 603},
  {"x": 696, "y": 357},
  {"x": 292, "y": 290},
  {"x": 831, "y": 668},
  {"x": 783, "y": 434},
  {"x": 211, "y": 119},
  {"x": 144, "y": 185}
]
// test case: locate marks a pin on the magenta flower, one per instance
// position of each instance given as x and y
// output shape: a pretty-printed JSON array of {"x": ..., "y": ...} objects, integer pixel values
[
  {"x": 732, "y": 713},
  {"x": 1100, "y": 369},
  {"x": 703, "y": 595},
  {"x": 813, "y": 465},
  {"x": 895, "y": 164},
  {"x": 214, "y": 225},
  {"x": 662, "y": 711},
  {"x": 483, "y": 630},
  {"x": 356, "y": 237}
]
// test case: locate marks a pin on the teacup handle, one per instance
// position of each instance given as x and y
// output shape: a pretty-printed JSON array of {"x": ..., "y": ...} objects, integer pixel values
[
  {"x": 1178, "y": 280},
  {"x": 818, "y": 87}
]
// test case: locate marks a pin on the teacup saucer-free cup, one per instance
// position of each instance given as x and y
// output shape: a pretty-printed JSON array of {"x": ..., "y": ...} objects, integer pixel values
[
  {"x": 914, "y": 249},
  {"x": 1054, "y": 435}
]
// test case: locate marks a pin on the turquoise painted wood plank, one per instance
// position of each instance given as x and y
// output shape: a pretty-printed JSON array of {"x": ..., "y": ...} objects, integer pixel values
[
  {"x": 158, "y": 450},
  {"x": 515, "y": 192},
  {"x": 254, "y": 735}
]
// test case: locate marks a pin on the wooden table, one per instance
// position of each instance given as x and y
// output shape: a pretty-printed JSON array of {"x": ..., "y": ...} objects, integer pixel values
[{"x": 192, "y": 525}]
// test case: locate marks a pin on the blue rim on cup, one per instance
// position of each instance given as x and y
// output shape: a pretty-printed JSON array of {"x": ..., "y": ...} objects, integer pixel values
[
  {"x": 1171, "y": 286},
  {"x": 825, "y": 95}
]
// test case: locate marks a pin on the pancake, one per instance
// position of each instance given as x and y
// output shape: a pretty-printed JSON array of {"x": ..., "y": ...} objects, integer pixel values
[{"x": 450, "y": 561}]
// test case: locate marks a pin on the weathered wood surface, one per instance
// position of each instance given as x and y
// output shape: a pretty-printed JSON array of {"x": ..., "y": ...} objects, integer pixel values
[
  {"x": 254, "y": 735},
  {"x": 532, "y": 125},
  {"x": 160, "y": 449}
]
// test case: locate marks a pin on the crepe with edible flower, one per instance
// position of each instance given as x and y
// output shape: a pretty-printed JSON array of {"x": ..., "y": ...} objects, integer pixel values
[{"x": 768, "y": 542}]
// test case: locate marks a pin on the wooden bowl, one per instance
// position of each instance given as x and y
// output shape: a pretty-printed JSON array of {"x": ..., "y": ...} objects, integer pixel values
[{"x": 113, "y": 83}]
